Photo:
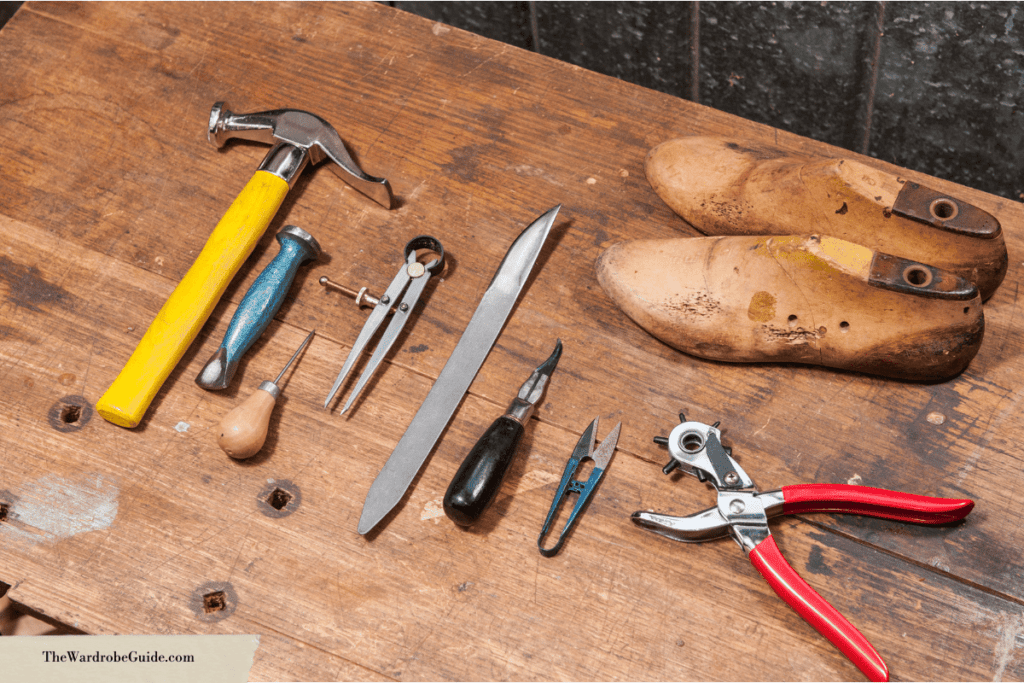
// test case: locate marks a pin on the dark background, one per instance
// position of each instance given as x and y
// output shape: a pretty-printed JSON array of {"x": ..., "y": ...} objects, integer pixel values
[{"x": 933, "y": 86}]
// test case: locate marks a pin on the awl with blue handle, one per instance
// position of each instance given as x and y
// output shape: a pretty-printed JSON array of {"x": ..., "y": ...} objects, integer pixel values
[
  {"x": 299, "y": 139},
  {"x": 259, "y": 306},
  {"x": 479, "y": 477}
]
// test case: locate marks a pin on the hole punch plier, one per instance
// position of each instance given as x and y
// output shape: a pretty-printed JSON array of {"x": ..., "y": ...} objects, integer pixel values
[{"x": 743, "y": 512}]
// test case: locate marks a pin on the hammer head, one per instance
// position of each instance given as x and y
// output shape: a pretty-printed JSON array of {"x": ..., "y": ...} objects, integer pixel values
[{"x": 298, "y": 137}]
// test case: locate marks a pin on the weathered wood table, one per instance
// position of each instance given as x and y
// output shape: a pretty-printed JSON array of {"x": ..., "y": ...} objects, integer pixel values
[{"x": 109, "y": 189}]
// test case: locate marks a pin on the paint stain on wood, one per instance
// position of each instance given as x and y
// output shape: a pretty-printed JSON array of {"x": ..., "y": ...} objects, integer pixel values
[
  {"x": 434, "y": 510},
  {"x": 53, "y": 508},
  {"x": 762, "y": 307},
  {"x": 536, "y": 479},
  {"x": 464, "y": 165},
  {"x": 1010, "y": 630},
  {"x": 28, "y": 289},
  {"x": 816, "y": 563}
]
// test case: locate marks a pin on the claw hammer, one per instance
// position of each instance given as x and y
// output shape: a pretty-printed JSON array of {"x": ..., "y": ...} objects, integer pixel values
[{"x": 298, "y": 138}]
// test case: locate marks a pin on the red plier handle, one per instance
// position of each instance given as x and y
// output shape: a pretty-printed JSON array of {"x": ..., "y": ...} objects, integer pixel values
[
  {"x": 816, "y": 611},
  {"x": 862, "y": 500}
]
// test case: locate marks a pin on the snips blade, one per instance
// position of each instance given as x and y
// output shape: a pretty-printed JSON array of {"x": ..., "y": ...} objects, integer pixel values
[{"x": 569, "y": 484}]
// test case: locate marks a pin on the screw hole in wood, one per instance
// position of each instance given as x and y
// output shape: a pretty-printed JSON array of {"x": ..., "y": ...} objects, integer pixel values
[
  {"x": 214, "y": 601},
  {"x": 279, "y": 498},
  {"x": 70, "y": 414}
]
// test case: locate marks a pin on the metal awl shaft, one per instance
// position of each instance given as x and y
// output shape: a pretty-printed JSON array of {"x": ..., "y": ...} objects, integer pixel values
[{"x": 294, "y": 356}]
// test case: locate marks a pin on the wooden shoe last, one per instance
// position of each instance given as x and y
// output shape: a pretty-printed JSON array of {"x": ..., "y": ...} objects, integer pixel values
[
  {"x": 723, "y": 188},
  {"x": 800, "y": 299}
]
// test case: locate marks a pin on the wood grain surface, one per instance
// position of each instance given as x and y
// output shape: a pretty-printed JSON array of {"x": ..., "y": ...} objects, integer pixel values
[{"x": 109, "y": 190}]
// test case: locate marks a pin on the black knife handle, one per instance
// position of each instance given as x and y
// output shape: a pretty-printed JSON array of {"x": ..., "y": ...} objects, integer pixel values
[{"x": 479, "y": 477}]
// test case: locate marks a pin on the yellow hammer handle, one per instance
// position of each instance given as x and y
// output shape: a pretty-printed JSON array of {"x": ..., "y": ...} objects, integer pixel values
[{"x": 192, "y": 301}]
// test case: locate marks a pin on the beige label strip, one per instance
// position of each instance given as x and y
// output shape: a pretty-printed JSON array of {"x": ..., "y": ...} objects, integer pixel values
[{"x": 128, "y": 659}]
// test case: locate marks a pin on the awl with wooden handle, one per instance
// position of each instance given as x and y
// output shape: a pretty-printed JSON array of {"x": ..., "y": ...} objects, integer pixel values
[
  {"x": 243, "y": 431},
  {"x": 299, "y": 138},
  {"x": 479, "y": 477}
]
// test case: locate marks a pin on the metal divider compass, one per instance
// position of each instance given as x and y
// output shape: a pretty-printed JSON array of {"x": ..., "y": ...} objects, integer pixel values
[{"x": 411, "y": 279}]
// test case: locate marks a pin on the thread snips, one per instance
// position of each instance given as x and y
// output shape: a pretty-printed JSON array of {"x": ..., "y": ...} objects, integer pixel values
[
  {"x": 569, "y": 484},
  {"x": 411, "y": 279},
  {"x": 743, "y": 512}
]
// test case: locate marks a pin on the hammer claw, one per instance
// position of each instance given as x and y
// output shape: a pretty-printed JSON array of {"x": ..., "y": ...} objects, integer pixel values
[{"x": 303, "y": 131}]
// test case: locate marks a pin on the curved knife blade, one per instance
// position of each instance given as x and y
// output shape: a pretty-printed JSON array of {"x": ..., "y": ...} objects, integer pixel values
[{"x": 491, "y": 313}]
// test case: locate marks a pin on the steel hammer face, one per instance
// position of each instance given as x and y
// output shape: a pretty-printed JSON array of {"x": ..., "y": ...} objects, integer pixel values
[{"x": 298, "y": 138}]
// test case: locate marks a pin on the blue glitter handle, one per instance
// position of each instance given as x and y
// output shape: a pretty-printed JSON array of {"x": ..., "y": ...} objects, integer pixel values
[{"x": 259, "y": 306}]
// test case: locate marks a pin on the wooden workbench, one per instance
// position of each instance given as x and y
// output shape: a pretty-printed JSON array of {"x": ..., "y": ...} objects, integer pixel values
[{"x": 109, "y": 189}]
